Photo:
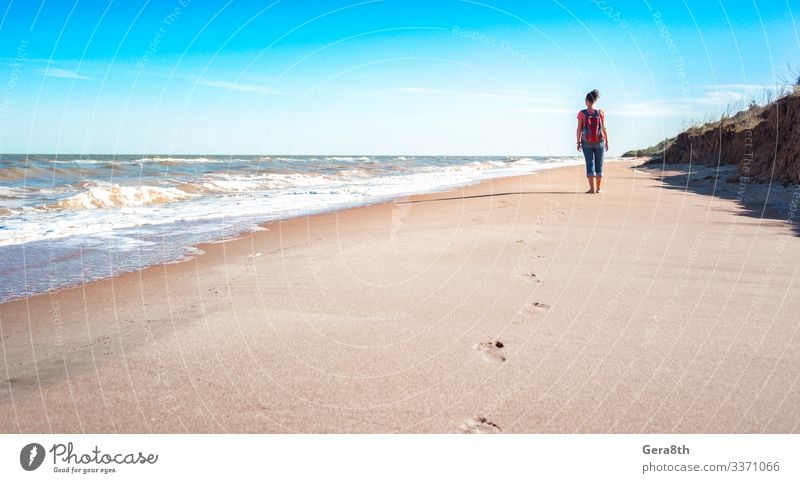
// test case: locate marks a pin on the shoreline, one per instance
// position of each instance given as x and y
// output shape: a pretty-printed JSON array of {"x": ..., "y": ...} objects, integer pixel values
[
  {"x": 518, "y": 304},
  {"x": 196, "y": 250}
]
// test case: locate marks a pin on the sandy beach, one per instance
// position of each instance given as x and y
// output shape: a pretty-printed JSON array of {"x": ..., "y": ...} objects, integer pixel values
[{"x": 517, "y": 305}]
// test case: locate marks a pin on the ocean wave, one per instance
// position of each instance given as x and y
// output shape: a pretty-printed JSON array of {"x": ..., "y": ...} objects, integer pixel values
[
  {"x": 99, "y": 196},
  {"x": 11, "y": 193},
  {"x": 77, "y": 161},
  {"x": 178, "y": 160},
  {"x": 31, "y": 172},
  {"x": 9, "y": 174},
  {"x": 348, "y": 158},
  {"x": 236, "y": 183}
]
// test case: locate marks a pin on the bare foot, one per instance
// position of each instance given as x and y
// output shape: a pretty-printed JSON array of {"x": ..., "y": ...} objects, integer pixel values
[
  {"x": 590, "y": 191},
  {"x": 599, "y": 191}
]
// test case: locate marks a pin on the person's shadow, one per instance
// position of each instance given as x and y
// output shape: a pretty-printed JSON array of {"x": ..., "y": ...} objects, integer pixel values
[{"x": 493, "y": 195}]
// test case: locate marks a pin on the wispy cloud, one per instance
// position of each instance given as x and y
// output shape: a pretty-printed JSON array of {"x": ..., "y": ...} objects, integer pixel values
[
  {"x": 62, "y": 73},
  {"x": 547, "y": 110},
  {"x": 657, "y": 109},
  {"x": 513, "y": 95},
  {"x": 730, "y": 94},
  {"x": 238, "y": 86},
  {"x": 521, "y": 101},
  {"x": 710, "y": 99},
  {"x": 739, "y": 87}
]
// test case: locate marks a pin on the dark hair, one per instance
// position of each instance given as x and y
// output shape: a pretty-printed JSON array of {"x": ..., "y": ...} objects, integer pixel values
[{"x": 593, "y": 96}]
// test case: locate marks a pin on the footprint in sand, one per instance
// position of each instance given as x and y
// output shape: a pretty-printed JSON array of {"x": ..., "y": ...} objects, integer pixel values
[
  {"x": 492, "y": 351},
  {"x": 479, "y": 425},
  {"x": 530, "y": 276},
  {"x": 540, "y": 306}
]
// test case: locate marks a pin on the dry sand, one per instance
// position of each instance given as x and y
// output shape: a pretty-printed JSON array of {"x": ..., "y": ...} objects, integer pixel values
[{"x": 515, "y": 305}]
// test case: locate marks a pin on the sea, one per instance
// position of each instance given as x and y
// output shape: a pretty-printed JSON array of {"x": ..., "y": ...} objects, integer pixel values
[{"x": 66, "y": 220}]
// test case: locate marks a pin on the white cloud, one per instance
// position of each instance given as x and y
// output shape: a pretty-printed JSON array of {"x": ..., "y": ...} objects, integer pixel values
[
  {"x": 548, "y": 110},
  {"x": 651, "y": 109},
  {"x": 739, "y": 87},
  {"x": 720, "y": 97},
  {"x": 724, "y": 95},
  {"x": 238, "y": 86},
  {"x": 62, "y": 73},
  {"x": 507, "y": 95},
  {"x": 711, "y": 100},
  {"x": 521, "y": 101}
]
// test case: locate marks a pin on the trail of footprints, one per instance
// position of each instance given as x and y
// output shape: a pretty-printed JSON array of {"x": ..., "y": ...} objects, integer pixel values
[{"x": 493, "y": 351}]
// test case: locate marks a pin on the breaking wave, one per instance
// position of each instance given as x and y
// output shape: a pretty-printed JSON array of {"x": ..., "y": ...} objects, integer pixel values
[{"x": 99, "y": 196}]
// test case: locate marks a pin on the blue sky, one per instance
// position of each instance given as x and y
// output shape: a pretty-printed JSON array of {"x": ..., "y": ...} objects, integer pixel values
[{"x": 492, "y": 77}]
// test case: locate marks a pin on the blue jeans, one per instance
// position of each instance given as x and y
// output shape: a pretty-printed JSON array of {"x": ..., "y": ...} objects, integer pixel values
[{"x": 593, "y": 153}]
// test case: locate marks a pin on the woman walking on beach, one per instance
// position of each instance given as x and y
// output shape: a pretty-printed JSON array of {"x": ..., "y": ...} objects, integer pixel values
[{"x": 593, "y": 140}]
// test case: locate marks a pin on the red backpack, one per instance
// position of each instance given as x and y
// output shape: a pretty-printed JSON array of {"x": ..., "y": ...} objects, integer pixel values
[{"x": 592, "y": 126}]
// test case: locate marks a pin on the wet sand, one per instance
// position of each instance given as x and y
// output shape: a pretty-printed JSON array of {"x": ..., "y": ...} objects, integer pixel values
[{"x": 515, "y": 305}]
